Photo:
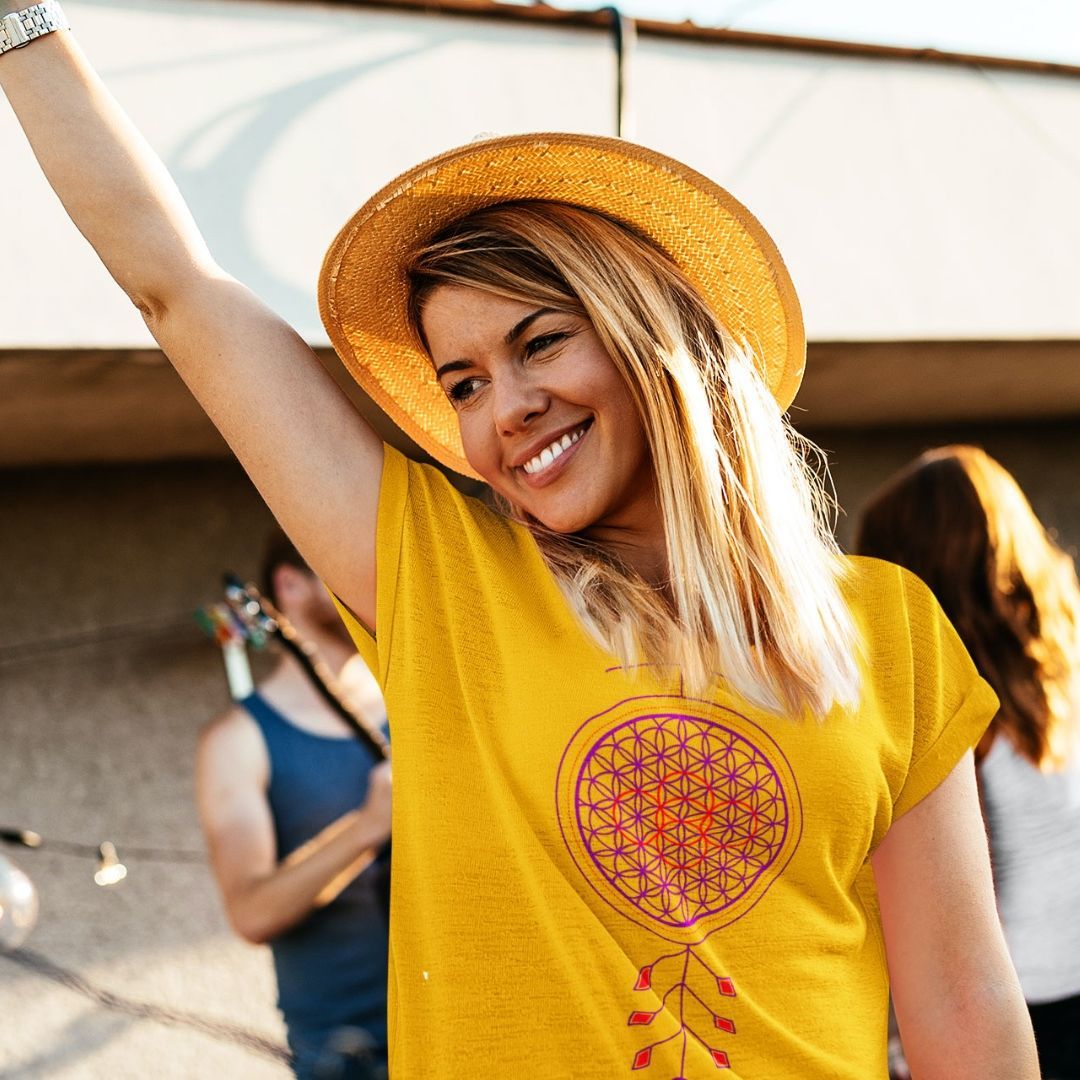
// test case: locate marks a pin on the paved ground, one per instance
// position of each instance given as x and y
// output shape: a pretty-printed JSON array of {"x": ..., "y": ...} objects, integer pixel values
[{"x": 159, "y": 937}]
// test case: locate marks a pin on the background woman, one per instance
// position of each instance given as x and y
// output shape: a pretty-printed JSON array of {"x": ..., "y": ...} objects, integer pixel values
[
  {"x": 675, "y": 778},
  {"x": 959, "y": 520}
]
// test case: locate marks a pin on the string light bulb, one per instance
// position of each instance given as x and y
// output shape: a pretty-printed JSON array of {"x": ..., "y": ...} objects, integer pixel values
[
  {"x": 110, "y": 871},
  {"x": 18, "y": 905}
]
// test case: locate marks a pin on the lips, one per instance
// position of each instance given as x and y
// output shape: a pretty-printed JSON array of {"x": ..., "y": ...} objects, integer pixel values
[
  {"x": 553, "y": 451},
  {"x": 550, "y": 460}
]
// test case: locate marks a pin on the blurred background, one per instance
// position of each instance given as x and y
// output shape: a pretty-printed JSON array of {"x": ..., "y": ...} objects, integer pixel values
[{"x": 920, "y": 172}]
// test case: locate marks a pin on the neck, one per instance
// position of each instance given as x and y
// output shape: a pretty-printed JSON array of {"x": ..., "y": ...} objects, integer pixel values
[
  {"x": 639, "y": 542},
  {"x": 332, "y": 650},
  {"x": 290, "y": 688},
  {"x": 645, "y": 557}
]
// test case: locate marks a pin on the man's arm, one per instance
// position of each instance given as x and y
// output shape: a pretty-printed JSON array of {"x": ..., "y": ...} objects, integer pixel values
[
  {"x": 264, "y": 897},
  {"x": 958, "y": 1002}
]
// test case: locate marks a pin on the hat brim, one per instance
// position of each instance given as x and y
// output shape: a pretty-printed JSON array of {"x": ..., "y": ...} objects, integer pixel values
[{"x": 720, "y": 246}]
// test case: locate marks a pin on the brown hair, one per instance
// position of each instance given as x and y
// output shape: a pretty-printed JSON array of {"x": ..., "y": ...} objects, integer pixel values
[
  {"x": 958, "y": 519},
  {"x": 278, "y": 550},
  {"x": 753, "y": 590}
]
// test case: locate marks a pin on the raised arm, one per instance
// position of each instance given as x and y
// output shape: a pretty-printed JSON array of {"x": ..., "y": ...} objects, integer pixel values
[
  {"x": 958, "y": 1001},
  {"x": 313, "y": 458},
  {"x": 262, "y": 896}
]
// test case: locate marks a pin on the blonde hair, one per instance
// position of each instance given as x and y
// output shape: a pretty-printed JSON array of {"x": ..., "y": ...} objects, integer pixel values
[
  {"x": 958, "y": 519},
  {"x": 754, "y": 589}
]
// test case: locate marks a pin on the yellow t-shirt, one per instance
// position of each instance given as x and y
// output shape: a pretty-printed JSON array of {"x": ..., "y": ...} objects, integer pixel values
[{"x": 596, "y": 875}]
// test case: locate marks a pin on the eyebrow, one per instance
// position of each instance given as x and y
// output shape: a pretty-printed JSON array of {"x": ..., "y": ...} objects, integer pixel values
[
  {"x": 514, "y": 333},
  {"x": 519, "y": 328},
  {"x": 454, "y": 365}
]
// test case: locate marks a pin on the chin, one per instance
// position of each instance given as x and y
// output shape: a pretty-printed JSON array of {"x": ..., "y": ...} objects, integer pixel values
[{"x": 564, "y": 522}]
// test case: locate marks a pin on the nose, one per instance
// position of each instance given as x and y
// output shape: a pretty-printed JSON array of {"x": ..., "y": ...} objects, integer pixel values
[{"x": 517, "y": 401}]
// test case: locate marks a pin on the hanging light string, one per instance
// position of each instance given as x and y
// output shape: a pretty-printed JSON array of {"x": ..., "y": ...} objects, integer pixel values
[
  {"x": 246, "y": 617},
  {"x": 110, "y": 869}
]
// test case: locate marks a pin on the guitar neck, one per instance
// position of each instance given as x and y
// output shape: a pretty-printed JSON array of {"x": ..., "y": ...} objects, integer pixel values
[{"x": 328, "y": 686}]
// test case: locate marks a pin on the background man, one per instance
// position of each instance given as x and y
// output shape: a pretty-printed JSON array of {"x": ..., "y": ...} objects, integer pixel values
[{"x": 295, "y": 811}]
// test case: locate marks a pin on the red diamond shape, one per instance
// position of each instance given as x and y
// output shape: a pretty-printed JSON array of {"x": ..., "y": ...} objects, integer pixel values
[
  {"x": 642, "y": 1058},
  {"x": 724, "y": 1024},
  {"x": 644, "y": 979},
  {"x": 720, "y": 1059},
  {"x": 727, "y": 987},
  {"x": 641, "y": 1018}
]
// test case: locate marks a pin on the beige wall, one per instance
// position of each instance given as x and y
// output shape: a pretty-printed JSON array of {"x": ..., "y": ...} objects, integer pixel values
[{"x": 911, "y": 200}]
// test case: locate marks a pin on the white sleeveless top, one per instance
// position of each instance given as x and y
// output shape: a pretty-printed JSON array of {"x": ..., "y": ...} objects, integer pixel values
[{"x": 1034, "y": 821}]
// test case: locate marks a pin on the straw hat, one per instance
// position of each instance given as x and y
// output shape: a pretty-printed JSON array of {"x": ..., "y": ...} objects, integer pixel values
[{"x": 718, "y": 243}]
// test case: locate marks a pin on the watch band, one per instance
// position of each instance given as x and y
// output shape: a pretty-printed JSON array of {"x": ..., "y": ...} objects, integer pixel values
[{"x": 21, "y": 27}]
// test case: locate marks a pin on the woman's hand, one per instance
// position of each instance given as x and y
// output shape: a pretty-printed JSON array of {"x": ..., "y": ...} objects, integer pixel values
[{"x": 957, "y": 999}]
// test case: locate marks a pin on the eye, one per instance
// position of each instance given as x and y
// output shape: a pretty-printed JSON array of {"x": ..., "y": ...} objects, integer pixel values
[
  {"x": 544, "y": 341},
  {"x": 461, "y": 391}
]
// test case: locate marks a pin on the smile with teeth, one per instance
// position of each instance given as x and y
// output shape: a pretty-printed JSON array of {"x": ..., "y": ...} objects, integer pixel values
[{"x": 553, "y": 452}]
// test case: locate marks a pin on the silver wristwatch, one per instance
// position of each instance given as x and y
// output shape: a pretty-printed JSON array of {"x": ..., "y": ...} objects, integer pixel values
[{"x": 21, "y": 27}]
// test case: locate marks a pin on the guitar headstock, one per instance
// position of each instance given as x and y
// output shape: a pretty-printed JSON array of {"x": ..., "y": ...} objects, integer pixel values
[{"x": 243, "y": 618}]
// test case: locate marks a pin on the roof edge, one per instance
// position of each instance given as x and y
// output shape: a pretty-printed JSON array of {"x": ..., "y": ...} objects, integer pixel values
[{"x": 602, "y": 19}]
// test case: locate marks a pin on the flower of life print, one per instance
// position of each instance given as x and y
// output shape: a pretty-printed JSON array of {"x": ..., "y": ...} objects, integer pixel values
[{"x": 680, "y": 814}]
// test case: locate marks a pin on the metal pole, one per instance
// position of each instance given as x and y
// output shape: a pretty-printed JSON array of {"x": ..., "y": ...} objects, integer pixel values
[{"x": 624, "y": 37}]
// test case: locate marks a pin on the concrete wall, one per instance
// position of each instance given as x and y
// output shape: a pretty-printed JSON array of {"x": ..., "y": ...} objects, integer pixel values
[{"x": 104, "y": 680}]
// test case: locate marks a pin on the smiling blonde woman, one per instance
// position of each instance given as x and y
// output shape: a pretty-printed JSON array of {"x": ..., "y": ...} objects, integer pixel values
[{"x": 673, "y": 779}]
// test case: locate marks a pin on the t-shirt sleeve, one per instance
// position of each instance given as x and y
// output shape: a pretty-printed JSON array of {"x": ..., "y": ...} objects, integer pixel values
[
  {"x": 951, "y": 704},
  {"x": 393, "y": 496},
  {"x": 442, "y": 562}
]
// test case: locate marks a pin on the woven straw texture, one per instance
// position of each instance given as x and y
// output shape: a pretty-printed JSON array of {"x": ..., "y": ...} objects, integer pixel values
[{"x": 720, "y": 245}]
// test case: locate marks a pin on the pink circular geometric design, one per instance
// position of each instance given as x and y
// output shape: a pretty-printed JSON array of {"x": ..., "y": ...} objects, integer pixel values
[{"x": 681, "y": 815}]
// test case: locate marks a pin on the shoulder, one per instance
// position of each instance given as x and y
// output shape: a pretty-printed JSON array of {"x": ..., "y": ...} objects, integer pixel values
[
  {"x": 416, "y": 486},
  {"x": 886, "y": 600},
  {"x": 430, "y": 518},
  {"x": 901, "y": 626},
  {"x": 908, "y": 642},
  {"x": 866, "y": 579},
  {"x": 232, "y": 742}
]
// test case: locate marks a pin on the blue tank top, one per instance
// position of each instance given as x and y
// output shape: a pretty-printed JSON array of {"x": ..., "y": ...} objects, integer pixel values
[{"x": 331, "y": 968}]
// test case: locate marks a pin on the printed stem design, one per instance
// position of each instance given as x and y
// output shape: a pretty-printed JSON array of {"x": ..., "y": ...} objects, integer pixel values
[{"x": 692, "y": 969}]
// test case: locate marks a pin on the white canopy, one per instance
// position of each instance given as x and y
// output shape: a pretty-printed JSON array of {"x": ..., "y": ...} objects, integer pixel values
[{"x": 911, "y": 200}]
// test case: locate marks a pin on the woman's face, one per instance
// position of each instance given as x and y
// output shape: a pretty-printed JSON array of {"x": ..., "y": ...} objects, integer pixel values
[{"x": 545, "y": 417}]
